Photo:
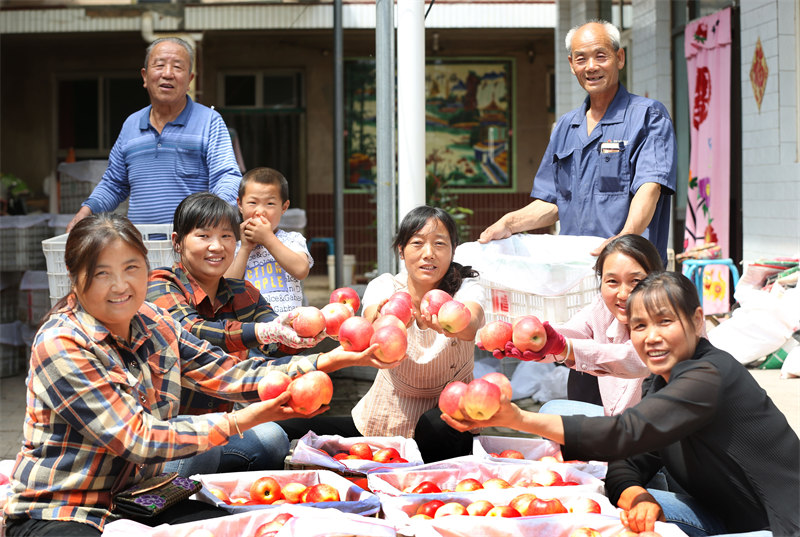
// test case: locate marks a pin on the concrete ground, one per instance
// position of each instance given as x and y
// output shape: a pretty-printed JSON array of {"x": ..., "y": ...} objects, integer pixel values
[{"x": 350, "y": 385}]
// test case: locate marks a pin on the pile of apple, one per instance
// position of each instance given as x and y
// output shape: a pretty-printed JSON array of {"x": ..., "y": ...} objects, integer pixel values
[
  {"x": 451, "y": 314},
  {"x": 527, "y": 334},
  {"x": 266, "y": 490},
  {"x": 478, "y": 400},
  {"x": 365, "y": 452},
  {"x": 541, "y": 478},
  {"x": 514, "y": 454},
  {"x": 522, "y": 505}
]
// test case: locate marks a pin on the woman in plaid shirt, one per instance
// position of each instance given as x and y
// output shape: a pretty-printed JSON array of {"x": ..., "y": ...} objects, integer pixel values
[{"x": 104, "y": 388}]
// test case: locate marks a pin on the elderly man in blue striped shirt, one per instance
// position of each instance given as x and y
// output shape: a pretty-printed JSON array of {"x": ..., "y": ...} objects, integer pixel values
[{"x": 167, "y": 150}]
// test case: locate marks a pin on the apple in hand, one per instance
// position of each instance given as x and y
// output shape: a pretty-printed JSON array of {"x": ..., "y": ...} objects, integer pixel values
[
  {"x": 404, "y": 297},
  {"x": 322, "y": 492},
  {"x": 501, "y": 381},
  {"x": 454, "y": 316},
  {"x": 272, "y": 384},
  {"x": 362, "y": 450},
  {"x": 504, "y": 511},
  {"x": 479, "y": 508},
  {"x": 271, "y": 528},
  {"x": 310, "y": 391},
  {"x": 496, "y": 483},
  {"x": 355, "y": 334},
  {"x": 494, "y": 335},
  {"x": 511, "y": 454},
  {"x": 399, "y": 308},
  {"x": 528, "y": 334},
  {"x": 468, "y": 484},
  {"x": 450, "y": 399},
  {"x": 426, "y": 487},
  {"x": 293, "y": 491},
  {"x": 584, "y": 532},
  {"x": 309, "y": 321},
  {"x": 348, "y": 296},
  {"x": 429, "y": 508},
  {"x": 384, "y": 320},
  {"x": 583, "y": 505},
  {"x": 433, "y": 300},
  {"x": 392, "y": 344},
  {"x": 389, "y": 454},
  {"x": 335, "y": 314},
  {"x": 481, "y": 400},
  {"x": 265, "y": 490},
  {"x": 450, "y": 509}
]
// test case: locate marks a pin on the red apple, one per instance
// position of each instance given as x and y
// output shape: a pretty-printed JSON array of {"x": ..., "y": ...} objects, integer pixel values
[
  {"x": 272, "y": 384},
  {"x": 429, "y": 508},
  {"x": 389, "y": 454},
  {"x": 468, "y": 484},
  {"x": 426, "y": 487},
  {"x": 220, "y": 494},
  {"x": 450, "y": 399},
  {"x": 511, "y": 454},
  {"x": 420, "y": 516},
  {"x": 450, "y": 509},
  {"x": 584, "y": 532},
  {"x": 335, "y": 314},
  {"x": 481, "y": 399},
  {"x": 384, "y": 320},
  {"x": 494, "y": 335},
  {"x": 309, "y": 321},
  {"x": 583, "y": 505},
  {"x": 454, "y": 316},
  {"x": 546, "y": 478},
  {"x": 550, "y": 459},
  {"x": 528, "y": 334},
  {"x": 501, "y": 381},
  {"x": 496, "y": 483},
  {"x": 522, "y": 503},
  {"x": 479, "y": 508},
  {"x": 271, "y": 528},
  {"x": 265, "y": 490},
  {"x": 392, "y": 344},
  {"x": 540, "y": 506},
  {"x": 293, "y": 491},
  {"x": 433, "y": 300},
  {"x": 348, "y": 296},
  {"x": 322, "y": 492},
  {"x": 341, "y": 456},
  {"x": 310, "y": 391},
  {"x": 504, "y": 511},
  {"x": 404, "y": 296},
  {"x": 355, "y": 333},
  {"x": 399, "y": 309},
  {"x": 362, "y": 450}
]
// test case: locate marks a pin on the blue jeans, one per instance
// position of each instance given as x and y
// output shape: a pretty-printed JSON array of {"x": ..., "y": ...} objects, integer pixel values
[
  {"x": 264, "y": 447},
  {"x": 685, "y": 512}
]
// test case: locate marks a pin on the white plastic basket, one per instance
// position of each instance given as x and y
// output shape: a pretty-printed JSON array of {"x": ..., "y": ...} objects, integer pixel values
[
  {"x": 505, "y": 304},
  {"x": 159, "y": 253}
]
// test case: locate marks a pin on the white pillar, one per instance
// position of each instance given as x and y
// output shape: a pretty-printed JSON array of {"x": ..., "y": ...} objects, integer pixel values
[{"x": 410, "y": 105}]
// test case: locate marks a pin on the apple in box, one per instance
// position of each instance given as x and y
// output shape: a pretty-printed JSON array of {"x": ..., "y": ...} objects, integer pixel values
[
  {"x": 271, "y": 528},
  {"x": 468, "y": 484},
  {"x": 309, "y": 321},
  {"x": 321, "y": 492},
  {"x": 454, "y": 316},
  {"x": 389, "y": 454},
  {"x": 496, "y": 483},
  {"x": 481, "y": 400},
  {"x": 426, "y": 487},
  {"x": 528, "y": 334},
  {"x": 433, "y": 300},
  {"x": 335, "y": 314},
  {"x": 511, "y": 454},
  {"x": 348, "y": 296},
  {"x": 265, "y": 489},
  {"x": 583, "y": 505},
  {"x": 450, "y": 399},
  {"x": 273, "y": 384},
  {"x": 494, "y": 335},
  {"x": 503, "y": 511},
  {"x": 392, "y": 344},
  {"x": 429, "y": 508},
  {"x": 293, "y": 491},
  {"x": 310, "y": 391},
  {"x": 450, "y": 509},
  {"x": 355, "y": 334},
  {"x": 361, "y": 450},
  {"x": 479, "y": 508}
]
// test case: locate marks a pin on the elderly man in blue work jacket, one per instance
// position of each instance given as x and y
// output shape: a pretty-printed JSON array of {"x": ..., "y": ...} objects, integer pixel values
[{"x": 609, "y": 168}]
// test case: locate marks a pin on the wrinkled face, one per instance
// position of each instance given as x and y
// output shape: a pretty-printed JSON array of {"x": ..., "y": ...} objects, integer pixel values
[
  {"x": 168, "y": 74},
  {"x": 620, "y": 275},
  {"x": 428, "y": 253},
  {"x": 594, "y": 62},
  {"x": 118, "y": 288},
  {"x": 662, "y": 337},
  {"x": 207, "y": 252},
  {"x": 263, "y": 200}
]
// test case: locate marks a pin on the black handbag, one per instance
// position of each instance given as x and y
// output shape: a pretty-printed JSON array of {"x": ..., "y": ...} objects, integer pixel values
[{"x": 152, "y": 496}]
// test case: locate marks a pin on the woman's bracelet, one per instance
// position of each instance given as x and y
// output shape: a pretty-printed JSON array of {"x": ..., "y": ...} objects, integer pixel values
[
  {"x": 236, "y": 424},
  {"x": 566, "y": 356}
]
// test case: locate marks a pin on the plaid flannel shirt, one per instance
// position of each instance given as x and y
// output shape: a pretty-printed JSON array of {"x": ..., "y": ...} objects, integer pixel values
[{"x": 95, "y": 401}]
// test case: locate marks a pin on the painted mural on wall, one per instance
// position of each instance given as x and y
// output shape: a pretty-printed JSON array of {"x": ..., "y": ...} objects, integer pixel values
[
  {"x": 708, "y": 58},
  {"x": 468, "y": 123}
]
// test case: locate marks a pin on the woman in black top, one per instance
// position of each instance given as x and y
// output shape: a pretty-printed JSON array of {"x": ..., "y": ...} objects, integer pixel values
[{"x": 704, "y": 418}]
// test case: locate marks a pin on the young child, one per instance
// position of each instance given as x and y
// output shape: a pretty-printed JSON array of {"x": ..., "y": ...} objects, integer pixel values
[{"x": 273, "y": 260}]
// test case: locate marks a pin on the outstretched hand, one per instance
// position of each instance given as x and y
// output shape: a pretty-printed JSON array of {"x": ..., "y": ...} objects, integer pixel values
[
  {"x": 508, "y": 415},
  {"x": 555, "y": 344}
]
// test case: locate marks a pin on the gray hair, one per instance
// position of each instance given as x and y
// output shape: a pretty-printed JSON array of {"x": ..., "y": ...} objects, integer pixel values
[
  {"x": 177, "y": 41},
  {"x": 611, "y": 31}
]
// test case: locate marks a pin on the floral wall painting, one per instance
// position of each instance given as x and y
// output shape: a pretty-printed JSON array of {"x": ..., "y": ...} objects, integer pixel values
[
  {"x": 759, "y": 73},
  {"x": 468, "y": 123}
]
